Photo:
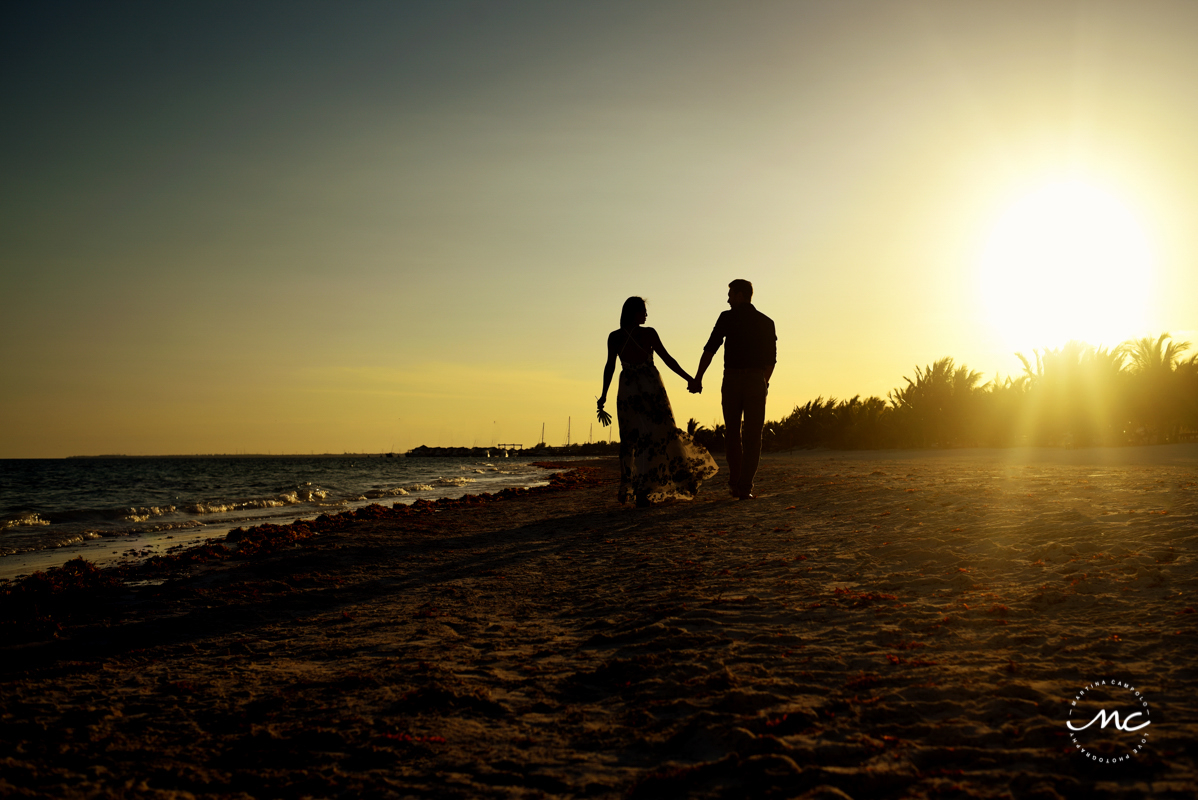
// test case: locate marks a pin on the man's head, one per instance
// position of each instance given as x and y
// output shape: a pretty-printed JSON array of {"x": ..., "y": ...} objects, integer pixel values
[{"x": 740, "y": 291}]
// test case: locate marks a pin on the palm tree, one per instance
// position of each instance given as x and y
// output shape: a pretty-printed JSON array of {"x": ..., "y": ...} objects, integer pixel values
[
  {"x": 808, "y": 425},
  {"x": 1187, "y": 381},
  {"x": 711, "y": 438},
  {"x": 1001, "y": 405},
  {"x": 1154, "y": 355},
  {"x": 1158, "y": 401},
  {"x": 1073, "y": 395},
  {"x": 1105, "y": 382},
  {"x": 938, "y": 405},
  {"x": 860, "y": 423}
]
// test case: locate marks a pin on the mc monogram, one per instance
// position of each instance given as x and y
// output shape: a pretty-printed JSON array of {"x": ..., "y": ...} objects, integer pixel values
[
  {"x": 1119, "y": 735},
  {"x": 1103, "y": 719}
]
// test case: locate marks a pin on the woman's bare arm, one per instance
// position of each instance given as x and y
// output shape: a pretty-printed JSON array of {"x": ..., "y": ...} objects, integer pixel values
[
  {"x": 668, "y": 359},
  {"x": 609, "y": 369}
]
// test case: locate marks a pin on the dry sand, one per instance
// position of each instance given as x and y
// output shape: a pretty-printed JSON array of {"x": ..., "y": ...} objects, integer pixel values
[{"x": 876, "y": 625}]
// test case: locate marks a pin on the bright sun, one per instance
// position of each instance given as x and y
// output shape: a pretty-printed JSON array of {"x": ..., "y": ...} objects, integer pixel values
[{"x": 1067, "y": 261}]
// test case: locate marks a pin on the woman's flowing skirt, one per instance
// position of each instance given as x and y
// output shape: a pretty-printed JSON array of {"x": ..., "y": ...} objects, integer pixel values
[{"x": 657, "y": 460}]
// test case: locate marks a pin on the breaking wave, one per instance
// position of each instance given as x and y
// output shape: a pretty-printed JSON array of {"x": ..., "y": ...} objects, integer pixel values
[
  {"x": 29, "y": 519},
  {"x": 457, "y": 481},
  {"x": 55, "y": 504}
]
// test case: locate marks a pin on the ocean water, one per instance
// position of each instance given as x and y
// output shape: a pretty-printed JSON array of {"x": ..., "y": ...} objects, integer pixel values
[{"x": 113, "y": 509}]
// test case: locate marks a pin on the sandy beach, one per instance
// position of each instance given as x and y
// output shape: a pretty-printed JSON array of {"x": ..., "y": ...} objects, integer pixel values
[{"x": 881, "y": 624}]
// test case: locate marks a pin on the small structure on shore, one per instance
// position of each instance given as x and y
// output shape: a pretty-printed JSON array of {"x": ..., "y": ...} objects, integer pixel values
[
  {"x": 508, "y": 450},
  {"x": 462, "y": 452}
]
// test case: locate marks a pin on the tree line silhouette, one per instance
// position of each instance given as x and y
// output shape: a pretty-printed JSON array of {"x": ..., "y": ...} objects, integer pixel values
[{"x": 1141, "y": 392}]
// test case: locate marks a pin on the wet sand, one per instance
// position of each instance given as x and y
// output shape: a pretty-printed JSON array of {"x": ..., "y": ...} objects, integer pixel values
[{"x": 874, "y": 625}]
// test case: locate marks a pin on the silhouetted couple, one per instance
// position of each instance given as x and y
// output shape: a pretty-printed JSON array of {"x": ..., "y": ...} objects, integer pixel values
[{"x": 657, "y": 460}]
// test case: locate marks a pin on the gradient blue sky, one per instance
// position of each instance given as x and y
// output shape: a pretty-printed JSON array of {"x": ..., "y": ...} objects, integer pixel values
[{"x": 328, "y": 227}]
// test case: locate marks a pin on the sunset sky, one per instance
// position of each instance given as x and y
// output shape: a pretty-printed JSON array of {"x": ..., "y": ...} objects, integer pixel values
[{"x": 328, "y": 227}]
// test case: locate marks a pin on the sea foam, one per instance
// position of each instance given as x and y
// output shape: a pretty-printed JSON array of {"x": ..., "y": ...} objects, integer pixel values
[
  {"x": 22, "y": 520},
  {"x": 457, "y": 481}
]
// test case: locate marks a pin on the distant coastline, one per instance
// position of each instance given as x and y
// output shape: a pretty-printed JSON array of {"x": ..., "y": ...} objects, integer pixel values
[
  {"x": 538, "y": 451},
  {"x": 246, "y": 455},
  {"x": 423, "y": 451}
]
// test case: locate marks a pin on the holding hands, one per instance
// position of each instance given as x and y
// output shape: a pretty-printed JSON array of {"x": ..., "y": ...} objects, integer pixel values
[{"x": 694, "y": 386}]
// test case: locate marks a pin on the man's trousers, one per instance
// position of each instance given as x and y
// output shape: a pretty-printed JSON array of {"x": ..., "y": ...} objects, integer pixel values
[{"x": 744, "y": 392}]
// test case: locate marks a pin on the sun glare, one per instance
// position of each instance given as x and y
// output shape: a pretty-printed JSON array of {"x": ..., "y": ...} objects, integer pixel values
[{"x": 1067, "y": 261}]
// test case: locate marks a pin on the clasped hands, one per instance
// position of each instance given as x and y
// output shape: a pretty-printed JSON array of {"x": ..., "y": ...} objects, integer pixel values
[{"x": 694, "y": 386}]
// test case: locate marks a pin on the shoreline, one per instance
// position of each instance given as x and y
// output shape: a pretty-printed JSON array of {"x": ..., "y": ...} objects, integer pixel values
[
  {"x": 886, "y": 627},
  {"x": 102, "y": 540},
  {"x": 1143, "y": 453}
]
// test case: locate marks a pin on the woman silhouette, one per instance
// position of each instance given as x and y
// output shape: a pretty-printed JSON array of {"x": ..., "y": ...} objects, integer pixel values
[{"x": 657, "y": 460}]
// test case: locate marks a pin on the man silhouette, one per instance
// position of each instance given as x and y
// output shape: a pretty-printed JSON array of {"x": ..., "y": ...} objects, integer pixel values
[{"x": 749, "y": 362}]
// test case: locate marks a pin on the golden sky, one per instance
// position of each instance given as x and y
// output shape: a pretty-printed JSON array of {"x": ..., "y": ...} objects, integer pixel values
[{"x": 364, "y": 227}]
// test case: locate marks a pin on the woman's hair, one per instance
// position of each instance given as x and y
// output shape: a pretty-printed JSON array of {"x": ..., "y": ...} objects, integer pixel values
[{"x": 633, "y": 307}]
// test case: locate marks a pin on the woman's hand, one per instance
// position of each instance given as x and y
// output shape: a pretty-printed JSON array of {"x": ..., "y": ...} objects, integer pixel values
[{"x": 603, "y": 416}]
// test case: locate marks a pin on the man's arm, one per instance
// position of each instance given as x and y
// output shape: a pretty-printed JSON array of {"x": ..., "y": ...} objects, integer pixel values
[
  {"x": 769, "y": 344},
  {"x": 773, "y": 352},
  {"x": 709, "y": 350},
  {"x": 704, "y": 362}
]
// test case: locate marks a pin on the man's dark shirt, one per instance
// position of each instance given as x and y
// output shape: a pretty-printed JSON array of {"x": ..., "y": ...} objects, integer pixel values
[{"x": 752, "y": 342}]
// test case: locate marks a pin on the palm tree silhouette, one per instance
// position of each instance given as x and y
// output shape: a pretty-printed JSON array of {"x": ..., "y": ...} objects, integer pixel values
[
  {"x": 1158, "y": 402},
  {"x": 1187, "y": 382},
  {"x": 939, "y": 403},
  {"x": 1074, "y": 395}
]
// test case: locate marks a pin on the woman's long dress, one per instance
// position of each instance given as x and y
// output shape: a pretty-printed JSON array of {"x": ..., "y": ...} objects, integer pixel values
[{"x": 657, "y": 460}]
